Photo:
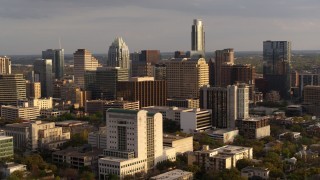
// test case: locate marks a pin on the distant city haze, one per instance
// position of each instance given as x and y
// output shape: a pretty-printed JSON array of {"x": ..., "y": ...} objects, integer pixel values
[{"x": 31, "y": 26}]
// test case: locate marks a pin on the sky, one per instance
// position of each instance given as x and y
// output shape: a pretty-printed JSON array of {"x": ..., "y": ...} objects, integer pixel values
[{"x": 30, "y": 26}]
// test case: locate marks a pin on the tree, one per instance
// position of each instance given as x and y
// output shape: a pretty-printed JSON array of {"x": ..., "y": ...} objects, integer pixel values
[
  {"x": 242, "y": 163},
  {"x": 16, "y": 175},
  {"x": 86, "y": 175},
  {"x": 70, "y": 173}
]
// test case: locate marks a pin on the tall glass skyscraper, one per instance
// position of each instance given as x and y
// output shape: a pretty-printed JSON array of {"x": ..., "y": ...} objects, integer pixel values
[
  {"x": 197, "y": 36},
  {"x": 57, "y": 57},
  {"x": 43, "y": 74},
  {"x": 118, "y": 54}
]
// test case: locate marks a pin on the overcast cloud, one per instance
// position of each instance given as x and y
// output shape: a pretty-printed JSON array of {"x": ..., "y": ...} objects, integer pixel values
[{"x": 30, "y": 26}]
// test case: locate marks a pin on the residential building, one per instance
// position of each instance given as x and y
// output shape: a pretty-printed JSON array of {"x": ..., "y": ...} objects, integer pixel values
[
  {"x": 6, "y": 147},
  {"x": 5, "y": 65},
  {"x": 196, "y": 121},
  {"x": 221, "y": 158},
  {"x": 277, "y": 66},
  {"x": 186, "y": 103},
  {"x": 25, "y": 112},
  {"x": 186, "y": 76},
  {"x": 118, "y": 54},
  {"x": 143, "y": 89},
  {"x": 311, "y": 99},
  {"x": 12, "y": 88},
  {"x": 251, "y": 172},
  {"x": 181, "y": 144},
  {"x": 43, "y": 74},
  {"x": 57, "y": 57},
  {"x": 135, "y": 143},
  {"x": 176, "y": 174},
  {"x": 223, "y": 135},
  {"x": 198, "y": 36},
  {"x": 222, "y": 57},
  {"x": 43, "y": 103},
  {"x": 83, "y": 61},
  {"x": 254, "y": 127},
  {"x": 33, "y": 90}
]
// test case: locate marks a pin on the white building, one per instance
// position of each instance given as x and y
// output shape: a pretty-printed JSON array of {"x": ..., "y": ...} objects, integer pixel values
[
  {"x": 249, "y": 172},
  {"x": 243, "y": 101},
  {"x": 10, "y": 167},
  {"x": 168, "y": 113},
  {"x": 43, "y": 103},
  {"x": 12, "y": 113},
  {"x": 197, "y": 36},
  {"x": 224, "y": 135},
  {"x": 180, "y": 143},
  {"x": 176, "y": 174},
  {"x": 196, "y": 120},
  {"x": 135, "y": 143}
]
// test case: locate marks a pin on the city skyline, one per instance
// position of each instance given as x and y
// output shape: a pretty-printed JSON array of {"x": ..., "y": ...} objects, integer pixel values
[{"x": 242, "y": 25}]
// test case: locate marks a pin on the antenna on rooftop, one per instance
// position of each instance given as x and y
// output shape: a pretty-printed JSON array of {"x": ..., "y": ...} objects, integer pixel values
[{"x": 59, "y": 43}]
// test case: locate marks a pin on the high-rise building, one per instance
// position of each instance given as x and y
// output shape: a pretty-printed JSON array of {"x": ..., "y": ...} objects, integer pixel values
[
  {"x": 57, "y": 57},
  {"x": 144, "y": 65},
  {"x": 134, "y": 143},
  {"x": 186, "y": 76},
  {"x": 227, "y": 104},
  {"x": 311, "y": 99},
  {"x": 277, "y": 66},
  {"x": 83, "y": 61},
  {"x": 12, "y": 88},
  {"x": 43, "y": 74},
  {"x": 118, "y": 54},
  {"x": 197, "y": 36},
  {"x": 105, "y": 85},
  {"x": 33, "y": 90},
  {"x": 222, "y": 57},
  {"x": 5, "y": 65},
  {"x": 160, "y": 72},
  {"x": 143, "y": 89}
]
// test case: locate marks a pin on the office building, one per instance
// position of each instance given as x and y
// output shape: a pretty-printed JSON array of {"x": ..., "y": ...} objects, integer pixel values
[
  {"x": 83, "y": 61},
  {"x": 44, "y": 103},
  {"x": 223, "y": 135},
  {"x": 98, "y": 139},
  {"x": 186, "y": 103},
  {"x": 6, "y": 147},
  {"x": 106, "y": 82},
  {"x": 197, "y": 36},
  {"x": 135, "y": 143},
  {"x": 196, "y": 120},
  {"x": 36, "y": 135},
  {"x": 227, "y": 104},
  {"x": 43, "y": 74},
  {"x": 277, "y": 66},
  {"x": 221, "y": 158},
  {"x": 33, "y": 90},
  {"x": 186, "y": 76},
  {"x": 311, "y": 99},
  {"x": 181, "y": 144},
  {"x": 100, "y": 106},
  {"x": 144, "y": 65},
  {"x": 12, "y": 88},
  {"x": 143, "y": 89},
  {"x": 5, "y": 65},
  {"x": 254, "y": 127},
  {"x": 25, "y": 112},
  {"x": 176, "y": 174},
  {"x": 305, "y": 78},
  {"x": 160, "y": 72},
  {"x": 222, "y": 57},
  {"x": 57, "y": 57},
  {"x": 118, "y": 54},
  {"x": 168, "y": 112}
]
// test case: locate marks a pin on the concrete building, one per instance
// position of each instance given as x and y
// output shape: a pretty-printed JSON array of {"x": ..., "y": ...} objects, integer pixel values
[
  {"x": 12, "y": 88},
  {"x": 227, "y": 104},
  {"x": 11, "y": 167},
  {"x": 176, "y": 174},
  {"x": 143, "y": 89},
  {"x": 36, "y": 135},
  {"x": 26, "y": 112},
  {"x": 196, "y": 120},
  {"x": 277, "y": 66},
  {"x": 198, "y": 36},
  {"x": 83, "y": 61},
  {"x": 144, "y": 63},
  {"x": 186, "y": 76},
  {"x": 118, "y": 54},
  {"x": 6, "y": 147},
  {"x": 43, "y": 74},
  {"x": 5, "y": 65},
  {"x": 168, "y": 113},
  {"x": 255, "y": 172},
  {"x": 254, "y": 127},
  {"x": 223, "y": 135},
  {"x": 224, "y": 157},
  {"x": 135, "y": 143},
  {"x": 181, "y": 144},
  {"x": 311, "y": 99},
  {"x": 44, "y": 103},
  {"x": 186, "y": 103},
  {"x": 160, "y": 72},
  {"x": 100, "y": 106},
  {"x": 57, "y": 57},
  {"x": 98, "y": 139},
  {"x": 33, "y": 90},
  {"x": 50, "y": 113}
]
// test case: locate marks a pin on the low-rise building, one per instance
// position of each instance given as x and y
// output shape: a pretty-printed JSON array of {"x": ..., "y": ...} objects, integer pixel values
[
  {"x": 181, "y": 144},
  {"x": 224, "y": 157},
  {"x": 295, "y": 135},
  {"x": 98, "y": 139},
  {"x": 6, "y": 147},
  {"x": 255, "y": 173},
  {"x": 75, "y": 126},
  {"x": 169, "y": 113},
  {"x": 176, "y": 174},
  {"x": 12, "y": 113},
  {"x": 223, "y": 135},
  {"x": 196, "y": 121},
  {"x": 49, "y": 113},
  {"x": 43, "y": 103},
  {"x": 8, "y": 168},
  {"x": 95, "y": 106},
  {"x": 254, "y": 127}
]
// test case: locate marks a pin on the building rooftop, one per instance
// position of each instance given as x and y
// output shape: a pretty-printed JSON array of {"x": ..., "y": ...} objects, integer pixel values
[
  {"x": 5, "y": 137},
  {"x": 174, "y": 108},
  {"x": 220, "y": 131},
  {"x": 172, "y": 175},
  {"x": 252, "y": 168},
  {"x": 119, "y": 110},
  {"x": 75, "y": 152},
  {"x": 257, "y": 118},
  {"x": 71, "y": 123}
]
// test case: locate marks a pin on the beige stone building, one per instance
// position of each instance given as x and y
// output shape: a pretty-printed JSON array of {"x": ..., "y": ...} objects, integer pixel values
[
  {"x": 5, "y": 65},
  {"x": 12, "y": 113}
]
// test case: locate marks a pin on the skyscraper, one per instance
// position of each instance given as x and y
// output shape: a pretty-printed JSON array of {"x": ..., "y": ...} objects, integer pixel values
[
  {"x": 12, "y": 88},
  {"x": 83, "y": 61},
  {"x": 277, "y": 66},
  {"x": 57, "y": 57},
  {"x": 5, "y": 65},
  {"x": 222, "y": 57},
  {"x": 186, "y": 76},
  {"x": 118, "y": 54},
  {"x": 197, "y": 36},
  {"x": 43, "y": 74}
]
